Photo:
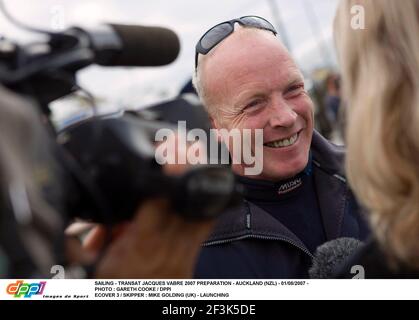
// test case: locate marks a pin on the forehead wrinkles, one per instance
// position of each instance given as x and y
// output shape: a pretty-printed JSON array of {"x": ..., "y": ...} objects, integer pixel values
[{"x": 267, "y": 66}]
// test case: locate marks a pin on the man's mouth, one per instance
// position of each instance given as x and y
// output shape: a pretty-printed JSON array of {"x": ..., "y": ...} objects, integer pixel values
[{"x": 289, "y": 141}]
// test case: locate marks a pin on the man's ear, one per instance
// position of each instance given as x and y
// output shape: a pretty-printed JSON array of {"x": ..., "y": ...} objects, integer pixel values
[{"x": 216, "y": 125}]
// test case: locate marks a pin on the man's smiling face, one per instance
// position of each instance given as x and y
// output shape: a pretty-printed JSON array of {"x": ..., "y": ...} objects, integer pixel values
[{"x": 253, "y": 83}]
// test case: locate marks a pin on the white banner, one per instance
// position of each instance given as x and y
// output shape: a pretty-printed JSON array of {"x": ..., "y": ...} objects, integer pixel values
[{"x": 19, "y": 289}]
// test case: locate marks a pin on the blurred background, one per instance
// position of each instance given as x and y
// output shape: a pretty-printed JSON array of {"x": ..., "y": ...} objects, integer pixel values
[{"x": 305, "y": 27}]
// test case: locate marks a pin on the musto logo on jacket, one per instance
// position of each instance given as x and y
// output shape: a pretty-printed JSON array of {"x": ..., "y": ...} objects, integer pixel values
[{"x": 27, "y": 290}]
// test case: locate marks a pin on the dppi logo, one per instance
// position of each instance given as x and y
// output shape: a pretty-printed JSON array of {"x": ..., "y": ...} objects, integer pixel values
[{"x": 27, "y": 290}]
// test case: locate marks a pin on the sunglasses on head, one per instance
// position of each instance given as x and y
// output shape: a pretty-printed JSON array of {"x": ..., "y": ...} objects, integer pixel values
[{"x": 222, "y": 30}]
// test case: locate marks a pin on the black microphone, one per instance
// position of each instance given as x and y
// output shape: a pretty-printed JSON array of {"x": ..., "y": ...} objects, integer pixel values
[
  {"x": 130, "y": 45},
  {"x": 331, "y": 255},
  {"x": 47, "y": 71}
]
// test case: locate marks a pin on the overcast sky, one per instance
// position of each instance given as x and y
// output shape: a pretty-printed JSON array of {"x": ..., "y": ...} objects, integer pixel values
[{"x": 308, "y": 26}]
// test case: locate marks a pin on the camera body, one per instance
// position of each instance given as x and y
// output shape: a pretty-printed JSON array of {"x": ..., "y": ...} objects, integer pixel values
[{"x": 108, "y": 161}]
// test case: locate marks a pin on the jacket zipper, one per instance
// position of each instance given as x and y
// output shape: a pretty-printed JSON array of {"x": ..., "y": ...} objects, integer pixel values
[{"x": 252, "y": 236}]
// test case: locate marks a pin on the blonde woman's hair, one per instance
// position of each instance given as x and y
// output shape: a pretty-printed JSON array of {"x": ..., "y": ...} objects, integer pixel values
[{"x": 380, "y": 71}]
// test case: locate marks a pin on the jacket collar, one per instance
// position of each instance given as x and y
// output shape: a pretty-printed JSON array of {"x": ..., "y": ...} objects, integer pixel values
[
  {"x": 248, "y": 220},
  {"x": 330, "y": 182},
  {"x": 327, "y": 155}
]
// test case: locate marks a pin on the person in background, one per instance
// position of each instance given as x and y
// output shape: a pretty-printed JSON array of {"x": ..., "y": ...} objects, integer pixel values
[{"x": 332, "y": 98}]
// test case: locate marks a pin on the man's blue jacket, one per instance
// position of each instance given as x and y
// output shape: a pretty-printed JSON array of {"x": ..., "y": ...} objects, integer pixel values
[{"x": 249, "y": 243}]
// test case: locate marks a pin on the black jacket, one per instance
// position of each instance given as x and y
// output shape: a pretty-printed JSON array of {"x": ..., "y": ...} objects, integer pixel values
[{"x": 249, "y": 243}]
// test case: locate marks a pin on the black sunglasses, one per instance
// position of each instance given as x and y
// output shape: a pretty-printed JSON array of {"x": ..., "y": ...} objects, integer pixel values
[{"x": 222, "y": 30}]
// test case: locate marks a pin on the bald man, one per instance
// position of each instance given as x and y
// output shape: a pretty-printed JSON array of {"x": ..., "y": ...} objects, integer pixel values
[{"x": 247, "y": 79}]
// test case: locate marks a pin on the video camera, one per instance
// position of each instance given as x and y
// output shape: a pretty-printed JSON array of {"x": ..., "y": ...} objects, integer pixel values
[{"x": 109, "y": 161}]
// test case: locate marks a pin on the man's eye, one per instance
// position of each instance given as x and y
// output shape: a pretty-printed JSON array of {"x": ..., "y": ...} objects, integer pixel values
[
  {"x": 253, "y": 104},
  {"x": 295, "y": 89}
]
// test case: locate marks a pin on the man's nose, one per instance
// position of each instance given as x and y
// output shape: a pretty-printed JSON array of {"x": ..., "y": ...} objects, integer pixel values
[{"x": 282, "y": 115}]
